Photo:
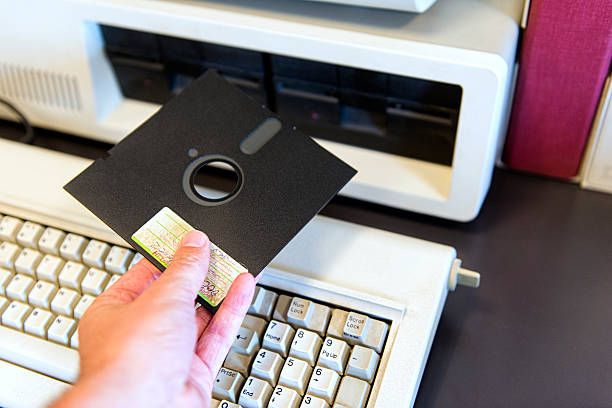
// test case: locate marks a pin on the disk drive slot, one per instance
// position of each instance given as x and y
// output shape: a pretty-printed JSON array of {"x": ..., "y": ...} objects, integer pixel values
[{"x": 390, "y": 113}]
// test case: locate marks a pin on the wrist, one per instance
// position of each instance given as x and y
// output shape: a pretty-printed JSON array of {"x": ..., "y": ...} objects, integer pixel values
[{"x": 88, "y": 392}]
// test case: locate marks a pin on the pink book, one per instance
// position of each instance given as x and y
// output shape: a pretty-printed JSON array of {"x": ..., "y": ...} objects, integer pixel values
[{"x": 565, "y": 58}]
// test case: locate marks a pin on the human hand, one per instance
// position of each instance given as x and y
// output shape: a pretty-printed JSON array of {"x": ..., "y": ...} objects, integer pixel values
[{"x": 141, "y": 343}]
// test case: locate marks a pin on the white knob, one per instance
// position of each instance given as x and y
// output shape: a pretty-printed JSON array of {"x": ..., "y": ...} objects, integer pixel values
[{"x": 461, "y": 276}]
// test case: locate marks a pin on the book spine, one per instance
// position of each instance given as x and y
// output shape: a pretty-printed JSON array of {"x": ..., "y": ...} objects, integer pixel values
[{"x": 564, "y": 61}]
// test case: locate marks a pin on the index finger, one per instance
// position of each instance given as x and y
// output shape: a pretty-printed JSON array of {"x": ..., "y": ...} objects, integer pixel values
[{"x": 216, "y": 340}]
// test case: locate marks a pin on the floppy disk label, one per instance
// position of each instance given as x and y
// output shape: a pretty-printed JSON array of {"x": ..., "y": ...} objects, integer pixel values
[{"x": 160, "y": 238}]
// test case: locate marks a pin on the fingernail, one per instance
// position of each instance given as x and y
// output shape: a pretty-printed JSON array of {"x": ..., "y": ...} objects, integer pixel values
[{"x": 194, "y": 239}]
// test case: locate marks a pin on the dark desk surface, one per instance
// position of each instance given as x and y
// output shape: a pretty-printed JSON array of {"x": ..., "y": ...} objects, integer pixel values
[{"x": 538, "y": 331}]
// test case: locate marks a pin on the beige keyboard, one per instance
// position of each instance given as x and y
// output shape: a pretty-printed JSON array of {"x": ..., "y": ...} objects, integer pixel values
[
  {"x": 296, "y": 352},
  {"x": 49, "y": 277},
  {"x": 291, "y": 351}
]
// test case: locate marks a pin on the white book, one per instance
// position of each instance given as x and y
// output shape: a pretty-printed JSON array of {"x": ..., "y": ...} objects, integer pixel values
[{"x": 597, "y": 162}]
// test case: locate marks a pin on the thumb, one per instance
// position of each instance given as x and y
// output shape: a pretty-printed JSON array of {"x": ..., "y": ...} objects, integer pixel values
[{"x": 183, "y": 278}]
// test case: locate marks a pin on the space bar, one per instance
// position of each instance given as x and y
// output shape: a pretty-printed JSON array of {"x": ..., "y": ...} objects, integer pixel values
[{"x": 39, "y": 355}]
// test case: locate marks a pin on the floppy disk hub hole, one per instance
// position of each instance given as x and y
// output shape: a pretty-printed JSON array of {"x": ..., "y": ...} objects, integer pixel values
[{"x": 212, "y": 180}]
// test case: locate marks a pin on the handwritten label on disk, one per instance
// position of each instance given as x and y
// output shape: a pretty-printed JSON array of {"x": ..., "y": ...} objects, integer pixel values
[{"x": 160, "y": 237}]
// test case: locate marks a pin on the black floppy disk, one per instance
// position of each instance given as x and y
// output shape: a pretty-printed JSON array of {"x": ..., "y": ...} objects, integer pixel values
[{"x": 144, "y": 189}]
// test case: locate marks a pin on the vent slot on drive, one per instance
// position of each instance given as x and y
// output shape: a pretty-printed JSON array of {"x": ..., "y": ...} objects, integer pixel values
[{"x": 44, "y": 88}]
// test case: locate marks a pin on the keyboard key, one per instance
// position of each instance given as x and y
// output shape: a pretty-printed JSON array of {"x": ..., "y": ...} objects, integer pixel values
[
  {"x": 324, "y": 383},
  {"x": 267, "y": 365},
  {"x": 61, "y": 330},
  {"x": 4, "y": 302},
  {"x": 224, "y": 404},
  {"x": 8, "y": 254},
  {"x": 334, "y": 354},
  {"x": 320, "y": 318},
  {"x": 5, "y": 278},
  {"x": 112, "y": 280},
  {"x": 9, "y": 228},
  {"x": 342, "y": 325},
  {"x": 353, "y": 393},
  {"x": 118, "y": 260},
  {"x": 356, "y": 326},
  {"x": 40, "y": 355},
  {"x": 300, "y": 312},
  {"x": 71, "y": 275},
  {"x": 74, "y": 340},
  {"x": 362, "y": 363},
  {"x": 227, "y": 385},
  {"x": 95, "y": 253},
  {"x": 310, "y": 401},
  {"x": 49, "y": 268},
  {"x": 27, "y": 262},
  {"x": 94, "y": 281},
  {"x": 64, "y": 301},
  {"x": 255, "y": 393},
  {"x": 38, "y": 322},
  {"x": 278, "y": 337},
  {"x": 283, "y": 397},
  {"x": 83, "y": 305},
  {"x": 306, "y": 346},
  {"x": 282, "y": 307},
  {"x": 15, "y": 314},
  {"x": 50, "y": 241},
  {"x": 42, "y": 294},
  {"x": 236, "y": 361},
  {"x": 295, "y": 374},
  {"x": 29, "y": 234},
  {"x": 256, "y": 324},
  {"x": 246, "y": 341},
  {"x": 263, "y": 302},
  {"x": 19, "y": 287},
  {"x": 72, "y": 247},
  {"x": 137, "y": 257}
]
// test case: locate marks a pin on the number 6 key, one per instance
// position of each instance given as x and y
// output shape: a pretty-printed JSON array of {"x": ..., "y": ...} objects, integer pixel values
[{"x": 324, "y": 383}]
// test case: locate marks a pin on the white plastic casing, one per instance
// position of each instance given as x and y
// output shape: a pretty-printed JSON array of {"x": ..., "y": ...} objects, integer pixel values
[
  {"x": 53, "y": 66},
  {"x": 417, "y": 6}
]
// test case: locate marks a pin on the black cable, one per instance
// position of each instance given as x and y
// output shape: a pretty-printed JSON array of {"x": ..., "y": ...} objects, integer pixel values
[{"x": 28, "y": 137}]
